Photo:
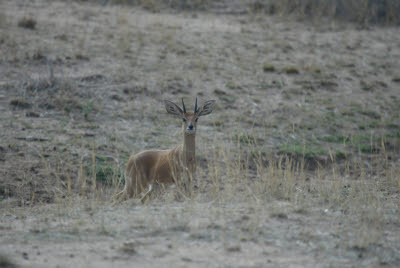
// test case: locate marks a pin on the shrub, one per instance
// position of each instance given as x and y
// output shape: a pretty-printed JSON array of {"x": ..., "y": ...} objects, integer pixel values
[
  {"x": 359, "y": 11},
  {"x": 27, "y": 23},
  {"x": 155, "y": 5}
]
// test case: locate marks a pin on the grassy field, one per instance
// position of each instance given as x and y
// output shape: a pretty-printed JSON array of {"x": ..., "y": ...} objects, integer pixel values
[
  {"x": 362, "y": 12},
  {"x": 298, "y": 165}
]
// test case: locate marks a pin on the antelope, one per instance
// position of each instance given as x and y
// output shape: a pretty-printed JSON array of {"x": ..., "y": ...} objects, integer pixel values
[{"x": 166, "y": 166}]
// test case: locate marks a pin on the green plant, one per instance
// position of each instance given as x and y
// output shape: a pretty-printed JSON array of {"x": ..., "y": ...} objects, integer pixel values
[
  {"x": 340, "y": 155},
  {"x": 87, "y": 108},
  {"x": 338, "y": 138},
  {"x": 367, "y": 148},
  {"x": 301, "y": 150},
  {"x": 268, "y": 68},
  {"x": 291, "y": 70},
  {"x": 104, "y": 171}
]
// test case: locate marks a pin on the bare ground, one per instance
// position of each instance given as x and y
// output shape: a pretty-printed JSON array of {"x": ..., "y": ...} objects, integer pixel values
[
  {"x": 190, "y": 234},
  {"x": 82, "y": 90}
]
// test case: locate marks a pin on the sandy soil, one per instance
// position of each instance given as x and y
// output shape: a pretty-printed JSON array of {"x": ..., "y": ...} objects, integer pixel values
[{"x": 190, "y": 234}]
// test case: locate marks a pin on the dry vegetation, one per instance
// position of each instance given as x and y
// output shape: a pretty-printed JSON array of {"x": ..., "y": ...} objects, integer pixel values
[
  {"x": 362, "y": 12},
  {"x": 297, "y": 166}
]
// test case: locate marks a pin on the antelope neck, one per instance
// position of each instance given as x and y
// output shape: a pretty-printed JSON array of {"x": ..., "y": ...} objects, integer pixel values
[{"x": 189, "y": 146}]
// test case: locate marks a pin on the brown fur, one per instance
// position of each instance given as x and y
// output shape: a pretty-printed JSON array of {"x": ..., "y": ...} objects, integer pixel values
[
  {"x": 165, "y": 166},
  {"x": 153, "y": 166}
]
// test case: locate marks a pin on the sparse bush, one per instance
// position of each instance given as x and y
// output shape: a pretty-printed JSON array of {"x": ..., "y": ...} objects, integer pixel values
[
  {"x": 156, "y": 5},
  {"x": 291, "y": 70},
  {"x": 359, "y": 11},
  {"x": 268, "y": 68},
  {"x": 370, "y": 113},
  {"x": 20, "y": 103},
  {"x": 28, "y": 23},
  {"x": 103, "y": 170}
]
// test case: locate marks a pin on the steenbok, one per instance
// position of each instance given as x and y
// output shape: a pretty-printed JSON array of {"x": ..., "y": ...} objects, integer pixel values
[{"x": 166, "y": 166}]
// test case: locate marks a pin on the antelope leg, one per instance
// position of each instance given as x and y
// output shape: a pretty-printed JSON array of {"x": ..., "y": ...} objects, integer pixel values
[{"x": 147, "y": 193}]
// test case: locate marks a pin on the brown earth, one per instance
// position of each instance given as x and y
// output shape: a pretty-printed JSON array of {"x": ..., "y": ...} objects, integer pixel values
[{"x": 81, "y": 88}]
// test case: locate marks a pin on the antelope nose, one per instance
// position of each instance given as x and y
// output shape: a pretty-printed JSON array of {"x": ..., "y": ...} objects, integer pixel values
[{"x": 191, "y": 126}]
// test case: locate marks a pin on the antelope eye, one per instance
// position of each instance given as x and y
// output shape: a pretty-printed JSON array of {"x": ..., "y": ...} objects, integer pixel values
[{"x": 184, "y": 119}]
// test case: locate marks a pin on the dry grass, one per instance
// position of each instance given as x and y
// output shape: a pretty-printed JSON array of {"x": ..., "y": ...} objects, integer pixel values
[
  {"x": 359, "y": 11},
  {"x": 156, "y": 6},
  {"x": 239, "y": 198}
]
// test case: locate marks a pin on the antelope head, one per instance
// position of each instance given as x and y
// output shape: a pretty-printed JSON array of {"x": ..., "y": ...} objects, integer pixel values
[{"x": 189, "y": 118}]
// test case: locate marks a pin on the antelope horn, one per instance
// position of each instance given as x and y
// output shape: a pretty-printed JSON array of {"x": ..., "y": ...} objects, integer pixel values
[
  {"x": 184, "y": 108},
  {"x": 195, "y": 107}
]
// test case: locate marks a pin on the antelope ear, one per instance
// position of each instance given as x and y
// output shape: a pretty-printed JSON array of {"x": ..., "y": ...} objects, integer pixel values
[
  {"x": 207, "y": 108},
  {"x": 172, "y": 108}
]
